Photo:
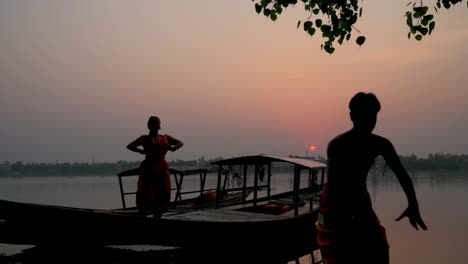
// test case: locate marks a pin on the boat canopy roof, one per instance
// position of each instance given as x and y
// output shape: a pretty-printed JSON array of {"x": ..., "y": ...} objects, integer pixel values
[{"x": 264, "y": 159}]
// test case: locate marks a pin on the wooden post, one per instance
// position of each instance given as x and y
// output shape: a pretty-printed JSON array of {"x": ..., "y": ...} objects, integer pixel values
[
  {"x": 297, "y": 176},
  {"x": 178, "y": 196},
  {"x": 255, "y": 182},
  {"x": 226, "y": 177},
  {"x": 311, "y": 188},
  {"x": 218, "y": 187},
  {"x": 269, "y": 180},
  {"x": 323, "y": 178},
  {"x": 314, "y": 179},
  {"x": 202, "y": 181},
  {"x": 310, "y": 181},
  {"x": 122, "y": 192},
  {"x": 244, "y": 184}
]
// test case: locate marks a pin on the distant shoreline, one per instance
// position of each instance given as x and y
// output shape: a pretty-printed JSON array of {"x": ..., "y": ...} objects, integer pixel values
[{"x": 412, "y": 162}]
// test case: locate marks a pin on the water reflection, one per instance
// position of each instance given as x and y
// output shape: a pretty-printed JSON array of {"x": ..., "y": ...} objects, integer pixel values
[{"x": 442, "y": 196}]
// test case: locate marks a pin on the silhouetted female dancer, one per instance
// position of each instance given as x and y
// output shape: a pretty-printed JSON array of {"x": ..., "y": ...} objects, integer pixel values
[
  {"x": 154, "y": 183},
  {"x": 349, "y": 230}
]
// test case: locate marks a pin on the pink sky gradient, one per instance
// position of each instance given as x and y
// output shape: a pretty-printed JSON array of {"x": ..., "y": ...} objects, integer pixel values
[{"x": 79, "y": 79}]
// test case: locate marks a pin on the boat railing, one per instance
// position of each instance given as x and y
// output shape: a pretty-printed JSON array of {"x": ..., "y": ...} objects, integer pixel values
[
  {"x": 178, "y": 180},
  {"x": 225, "y": 173},
  {"x": 298, "y": 194}
]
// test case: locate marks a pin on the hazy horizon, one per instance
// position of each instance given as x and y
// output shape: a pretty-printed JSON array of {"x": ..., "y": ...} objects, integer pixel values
[{"x": 79, "y": 79}]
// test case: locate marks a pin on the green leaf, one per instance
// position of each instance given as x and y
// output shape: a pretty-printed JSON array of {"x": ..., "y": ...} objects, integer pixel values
[
  {"x": 423, "y": 31},
  {"x": 360, "y": 12},
  {"x": 340, "y": 41},
  {"x": 425, "y": 22},
  {"x": 431, "y": 27},
  {"x": 266, "y": 12},
  {"x": 360, "y": 40},
  {"x": 329, "y": 48},
  {"x": 316, "y": 11},
  {"x": 307, "y": 7},
  {"x": 429, "y": 17},
  {"x": 318, "y": 22},
  {"x": 311, "y": 31},
  {"x": 418, "y": 37},
  {"x": 264, "y": 3},
  {"x": 409, "y": 35},
  {"x": 325, "y": 29},
  {"x": 348, "y": 37},
  {"x": 307, "y": 25},
  {"x": 279, "y": 10},
  {"x": 409, "y": 20},
  {"x": 312, "y": 4},
  {"x": 298, "y": 23},
  {"x": 273, "y": 17},
  {"x": 353, "y": 19},
  {"x": 438, "y": 5},
  {"x": 258, "y": 8},
  {"x": 420, "y": 11}
]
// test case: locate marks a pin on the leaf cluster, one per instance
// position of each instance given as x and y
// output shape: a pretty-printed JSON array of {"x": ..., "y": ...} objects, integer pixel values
[
  {"x": 335, "y": 19},
  {"x": 420, "y": 20}
]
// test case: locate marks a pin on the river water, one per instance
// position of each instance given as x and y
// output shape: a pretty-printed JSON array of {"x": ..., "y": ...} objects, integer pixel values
[{"x": 442, "y": 195}]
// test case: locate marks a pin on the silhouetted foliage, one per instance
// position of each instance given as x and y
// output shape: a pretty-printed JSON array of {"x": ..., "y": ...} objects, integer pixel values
[{"x": 336, "y": 19}]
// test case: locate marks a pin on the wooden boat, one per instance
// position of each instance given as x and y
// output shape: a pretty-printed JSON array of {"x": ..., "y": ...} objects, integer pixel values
[{"x": 257, "y": 228}]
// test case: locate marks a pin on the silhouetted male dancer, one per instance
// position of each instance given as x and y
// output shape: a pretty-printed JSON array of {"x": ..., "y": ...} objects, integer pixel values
[{"x": 349, "y": 230}]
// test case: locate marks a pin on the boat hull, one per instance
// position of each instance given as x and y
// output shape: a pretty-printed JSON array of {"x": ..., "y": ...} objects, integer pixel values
[{"x": 275, "y": 240}]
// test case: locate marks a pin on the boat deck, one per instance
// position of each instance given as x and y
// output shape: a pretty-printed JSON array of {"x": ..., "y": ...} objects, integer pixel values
[
  {"x": 222, "y": 215},
  {"x": 232, "y": 214}
]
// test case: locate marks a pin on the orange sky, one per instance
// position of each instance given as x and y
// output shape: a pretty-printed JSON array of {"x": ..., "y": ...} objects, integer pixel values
[{"x": 80, "y": 78}]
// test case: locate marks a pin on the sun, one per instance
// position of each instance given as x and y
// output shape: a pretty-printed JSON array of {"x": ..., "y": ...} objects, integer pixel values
[{"x": 312, "y": 148}]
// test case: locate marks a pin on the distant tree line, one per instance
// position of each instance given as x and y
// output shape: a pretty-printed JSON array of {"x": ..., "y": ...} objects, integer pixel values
[
  {"x": 82, "y": 169},
  {"x": 64, "y": 169},
  {"x": 437, "y": 161}
]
